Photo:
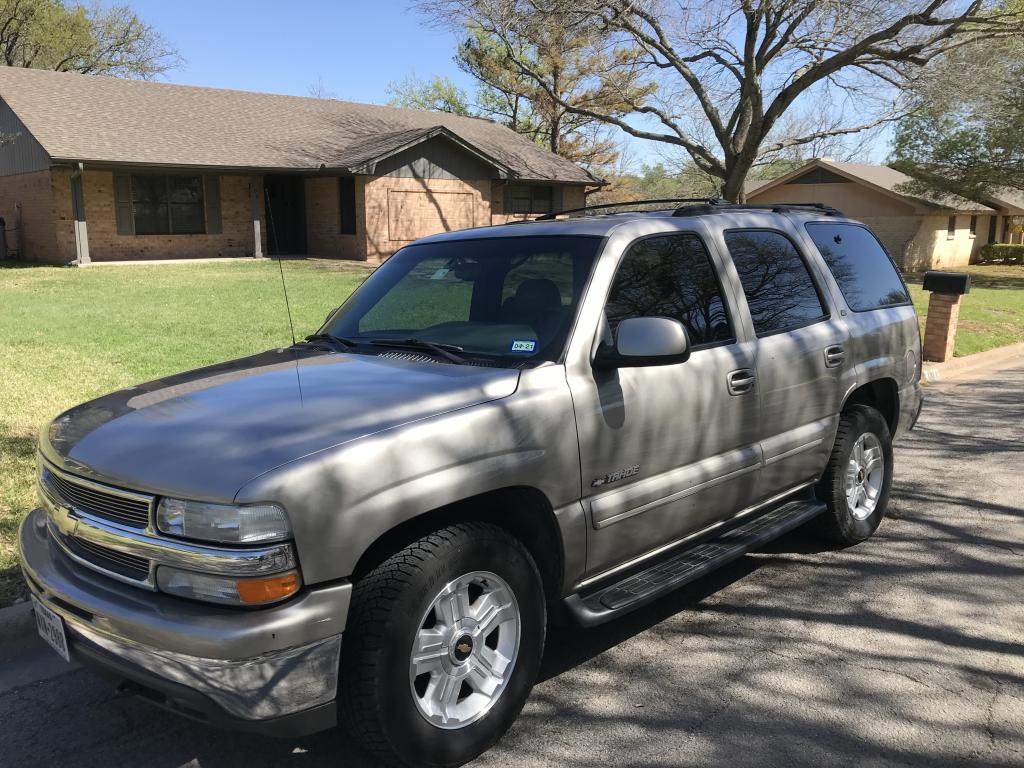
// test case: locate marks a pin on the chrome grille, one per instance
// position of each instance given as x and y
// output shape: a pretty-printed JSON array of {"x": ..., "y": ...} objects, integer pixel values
[
  {"x": 121, "y": 507},
  {"x": 129, "y": 566}
]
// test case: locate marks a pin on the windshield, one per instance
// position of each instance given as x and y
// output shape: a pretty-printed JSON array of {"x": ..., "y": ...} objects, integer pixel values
[{"x": 511, "y": 299}]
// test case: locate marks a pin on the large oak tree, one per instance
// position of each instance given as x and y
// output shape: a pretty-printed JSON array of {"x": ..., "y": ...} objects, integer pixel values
[{"x": 726, "y": 78}]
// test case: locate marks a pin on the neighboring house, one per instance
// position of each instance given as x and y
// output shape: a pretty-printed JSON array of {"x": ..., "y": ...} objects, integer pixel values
[
  {"x": 109, "y": 169},
  {"x": 919, "y": 232}
]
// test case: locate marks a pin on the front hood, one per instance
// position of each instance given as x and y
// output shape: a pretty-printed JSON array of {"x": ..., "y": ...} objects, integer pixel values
[{"x": 207, "y": 432}]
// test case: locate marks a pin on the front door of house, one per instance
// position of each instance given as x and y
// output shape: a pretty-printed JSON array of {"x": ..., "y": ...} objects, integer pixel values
[{"x": 285, "y": 210}]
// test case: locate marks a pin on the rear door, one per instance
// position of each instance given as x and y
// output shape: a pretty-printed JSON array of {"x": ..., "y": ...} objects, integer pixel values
[
  {"x": 885, "y": 337},
  {"x": 802, "y": 352}
]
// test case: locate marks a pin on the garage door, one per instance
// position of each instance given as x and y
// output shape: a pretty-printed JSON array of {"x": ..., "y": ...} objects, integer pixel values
[{"x": 412, "y": 215}]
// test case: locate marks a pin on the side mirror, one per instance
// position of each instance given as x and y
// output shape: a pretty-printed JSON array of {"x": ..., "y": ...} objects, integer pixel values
[{"x": 644, "y": 341}]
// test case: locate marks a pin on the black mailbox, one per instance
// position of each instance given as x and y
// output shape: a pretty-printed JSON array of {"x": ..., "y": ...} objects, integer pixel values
[{"x": 957, "y": 283}]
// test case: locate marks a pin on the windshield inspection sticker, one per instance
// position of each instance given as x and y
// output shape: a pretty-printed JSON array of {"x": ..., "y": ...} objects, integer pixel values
[{"x": 523, "y": 346}]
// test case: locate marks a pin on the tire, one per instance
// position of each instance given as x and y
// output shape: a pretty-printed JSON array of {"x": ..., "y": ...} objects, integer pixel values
[
  {"x": 848, "y": 521},
  {"x": 407, "y": 599}
]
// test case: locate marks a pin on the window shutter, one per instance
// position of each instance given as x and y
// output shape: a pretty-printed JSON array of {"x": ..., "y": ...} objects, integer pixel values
[
  {"x": 211, "y": 196},
  {"x": 123, "y": 204}
]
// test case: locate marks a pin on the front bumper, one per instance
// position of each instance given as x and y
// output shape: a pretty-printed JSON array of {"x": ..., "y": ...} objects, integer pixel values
[{"x": 274, "y": 669}]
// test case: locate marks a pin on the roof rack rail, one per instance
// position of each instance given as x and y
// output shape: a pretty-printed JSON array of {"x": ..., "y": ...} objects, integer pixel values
[
  {"x": 669, "y": 202},
  {"x": 723, "y": 207}
]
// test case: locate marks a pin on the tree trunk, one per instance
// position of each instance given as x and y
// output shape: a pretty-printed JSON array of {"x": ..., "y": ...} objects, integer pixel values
[
  {"x": 735, "y": 177},
  {"x": 556, "y": 128}
]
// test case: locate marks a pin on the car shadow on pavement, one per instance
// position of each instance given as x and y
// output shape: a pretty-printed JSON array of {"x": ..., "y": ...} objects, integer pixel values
[{"x": 134, "y": 732}]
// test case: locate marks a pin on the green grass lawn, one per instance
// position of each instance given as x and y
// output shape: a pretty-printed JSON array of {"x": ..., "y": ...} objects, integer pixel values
[
  {"x": 67, "y": 335},
  {"x": 991, "y": 315}
]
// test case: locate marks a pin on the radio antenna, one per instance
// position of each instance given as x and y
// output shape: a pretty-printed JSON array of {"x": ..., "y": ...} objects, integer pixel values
[{"x": 280, "y": 265}]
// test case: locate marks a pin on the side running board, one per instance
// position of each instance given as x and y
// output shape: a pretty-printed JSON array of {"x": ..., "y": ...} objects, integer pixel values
[{"x": 607, "y": 601}]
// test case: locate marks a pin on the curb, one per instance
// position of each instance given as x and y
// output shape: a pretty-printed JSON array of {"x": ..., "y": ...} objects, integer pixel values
[{"x": 932, "y": 373}]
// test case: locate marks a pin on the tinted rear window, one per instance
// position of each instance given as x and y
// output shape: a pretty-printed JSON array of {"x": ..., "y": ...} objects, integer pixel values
[
  {"x": 863, "y": 270},
  {"x": 780, "y": 293}
]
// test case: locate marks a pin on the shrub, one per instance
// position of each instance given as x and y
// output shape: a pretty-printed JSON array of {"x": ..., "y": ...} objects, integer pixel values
[{"x": 1001, "y": 253}]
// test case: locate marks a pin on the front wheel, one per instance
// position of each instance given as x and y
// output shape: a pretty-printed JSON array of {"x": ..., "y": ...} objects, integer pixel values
[
  {"x": 442, "y": 646},
  {"x": 856, "y": 483}
]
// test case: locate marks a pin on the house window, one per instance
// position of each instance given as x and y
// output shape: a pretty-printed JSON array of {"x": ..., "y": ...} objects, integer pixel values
[
  {"x": 524, "y": 198},
  {"x": 347, "y": 203},
  {"x": 167, "y": 205},
  {"x": 951, "y": 228},
  {"x": 974, "y": 226}
]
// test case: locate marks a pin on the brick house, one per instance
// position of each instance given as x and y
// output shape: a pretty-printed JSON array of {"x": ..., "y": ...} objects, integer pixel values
[
  {"x": 104, "y": 169},
  {"x": 920, "y": 232}
]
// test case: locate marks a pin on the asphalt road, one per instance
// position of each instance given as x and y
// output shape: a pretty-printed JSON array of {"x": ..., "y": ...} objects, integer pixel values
[{"x": 905, "y": 650}]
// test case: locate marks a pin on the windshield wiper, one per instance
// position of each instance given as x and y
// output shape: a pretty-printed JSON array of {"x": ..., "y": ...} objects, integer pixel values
[
  {"x": 330, "y": 339},
  {"x": 447, "y": 351}
]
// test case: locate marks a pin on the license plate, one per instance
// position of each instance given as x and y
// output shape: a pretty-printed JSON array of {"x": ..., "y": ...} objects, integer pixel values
[{"x": 51, "y": 628}]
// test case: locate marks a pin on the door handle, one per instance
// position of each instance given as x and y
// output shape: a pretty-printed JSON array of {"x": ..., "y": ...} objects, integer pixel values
[
  {"x": 834, "y": 356},
  {"x": 741, "y": 381}
]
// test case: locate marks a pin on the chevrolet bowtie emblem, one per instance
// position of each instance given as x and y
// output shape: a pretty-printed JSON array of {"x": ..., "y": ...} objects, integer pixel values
[{"x": 463, "y": 647}]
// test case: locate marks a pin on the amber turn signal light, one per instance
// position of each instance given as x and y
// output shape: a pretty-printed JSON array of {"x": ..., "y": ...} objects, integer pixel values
[{"x": 269, "y": 589}]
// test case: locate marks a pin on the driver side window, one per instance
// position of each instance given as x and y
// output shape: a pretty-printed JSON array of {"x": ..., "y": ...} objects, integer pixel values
[{"x": 671, "y": 276}]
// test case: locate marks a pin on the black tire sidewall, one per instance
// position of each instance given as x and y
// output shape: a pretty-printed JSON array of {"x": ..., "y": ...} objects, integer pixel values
[
  {"x": 415, "y": 740},
  {"x": 840, "y": 522}
]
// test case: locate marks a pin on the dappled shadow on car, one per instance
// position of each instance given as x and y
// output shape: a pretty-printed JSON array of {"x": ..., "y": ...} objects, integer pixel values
[{"x": 903, "y": 649}]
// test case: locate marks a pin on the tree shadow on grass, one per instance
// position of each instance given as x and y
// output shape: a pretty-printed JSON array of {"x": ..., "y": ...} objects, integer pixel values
[{"x": 11, "y": 264}]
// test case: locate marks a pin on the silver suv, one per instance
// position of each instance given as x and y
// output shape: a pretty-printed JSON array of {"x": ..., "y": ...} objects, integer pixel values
[{"x": 568, "y": 417}]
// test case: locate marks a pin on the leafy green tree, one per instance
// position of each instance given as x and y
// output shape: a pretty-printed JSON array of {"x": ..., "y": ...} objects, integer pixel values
[
  {"x": 94, "y": 40},
  {"x": 438, "y": 94},
  {"x": 966, "y": 134}
]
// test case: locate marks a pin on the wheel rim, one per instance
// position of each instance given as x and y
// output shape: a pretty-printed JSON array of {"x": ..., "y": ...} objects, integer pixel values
[
  {"x": 864, "y": 476},
  {"x": 465, "y": 650}
]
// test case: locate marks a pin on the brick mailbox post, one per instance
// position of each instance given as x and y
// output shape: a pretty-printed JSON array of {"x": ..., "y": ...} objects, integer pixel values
[{"x": 943, "y": 313}]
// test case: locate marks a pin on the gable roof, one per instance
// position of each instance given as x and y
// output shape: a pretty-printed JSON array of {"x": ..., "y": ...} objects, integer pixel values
[
  {"x": 1008, "y": 198},
  {"x": 881, "y": 178},
  {"x": 96, "y": 119},
  {"x": 362, "y": 156}
]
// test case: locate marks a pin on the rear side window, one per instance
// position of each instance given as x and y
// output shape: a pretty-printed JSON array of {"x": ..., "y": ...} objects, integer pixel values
[
  {"x": 861, "y": 267},
  {"x": 780, "y": 292},
  {"x": 671, "y": 276}
]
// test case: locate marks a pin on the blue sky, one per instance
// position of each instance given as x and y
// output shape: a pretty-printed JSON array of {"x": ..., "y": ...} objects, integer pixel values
[{"x": 356, "y": 48}]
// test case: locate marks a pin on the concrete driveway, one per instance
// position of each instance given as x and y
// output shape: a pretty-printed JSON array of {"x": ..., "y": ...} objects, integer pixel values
[{"x": 905, "y": 650}]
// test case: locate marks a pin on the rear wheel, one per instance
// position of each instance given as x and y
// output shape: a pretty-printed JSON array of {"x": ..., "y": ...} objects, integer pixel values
[
  {"x": 856, "y": 483},
  {"x": 442, "y": 646}
]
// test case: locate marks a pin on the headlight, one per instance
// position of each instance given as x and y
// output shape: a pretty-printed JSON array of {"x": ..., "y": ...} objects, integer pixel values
[
  {"x": 227, "y": 589},
  {"x": 224, "y": 523}
]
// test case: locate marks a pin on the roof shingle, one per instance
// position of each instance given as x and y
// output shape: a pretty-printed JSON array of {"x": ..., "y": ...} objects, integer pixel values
[{"x": 110, "y": 120}]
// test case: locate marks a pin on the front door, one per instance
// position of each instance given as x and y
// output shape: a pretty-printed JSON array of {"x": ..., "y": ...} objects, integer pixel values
[
  {"x": 285, "y": 203},
  {"x": 666, "y": 450}
]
